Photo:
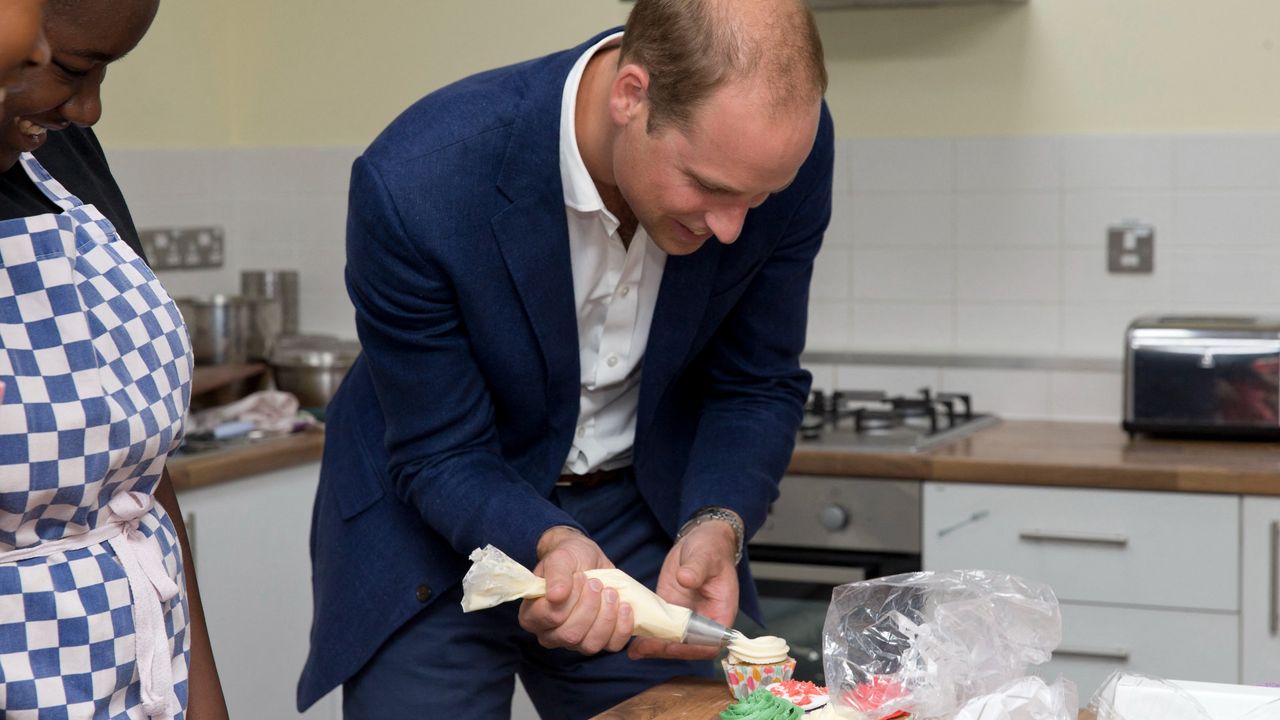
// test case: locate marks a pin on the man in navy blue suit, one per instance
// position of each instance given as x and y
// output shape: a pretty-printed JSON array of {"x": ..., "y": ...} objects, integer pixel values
[{"x": 581, "y": 286}]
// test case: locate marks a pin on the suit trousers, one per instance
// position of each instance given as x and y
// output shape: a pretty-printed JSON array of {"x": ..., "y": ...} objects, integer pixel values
[{"x": 446, "y": 663}]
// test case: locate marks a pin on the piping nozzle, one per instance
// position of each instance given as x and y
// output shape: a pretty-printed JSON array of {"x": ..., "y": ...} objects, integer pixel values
[{"x": 704, "y": 631}]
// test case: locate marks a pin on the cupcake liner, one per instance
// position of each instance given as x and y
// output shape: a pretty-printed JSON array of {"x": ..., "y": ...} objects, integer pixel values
[{"x": 746, "y": 678}]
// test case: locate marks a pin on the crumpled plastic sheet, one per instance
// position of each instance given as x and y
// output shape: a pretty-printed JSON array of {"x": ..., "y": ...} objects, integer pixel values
[
  {"x": 927, "y": 643},
  {"x": 1170, "y": 703},
  {"x": 1026, "y": 698}
]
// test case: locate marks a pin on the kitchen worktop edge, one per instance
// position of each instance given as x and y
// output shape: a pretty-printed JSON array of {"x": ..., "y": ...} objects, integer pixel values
[
  {"x": 1066, "y": 454},
  {"x": 236, "y": 463}
]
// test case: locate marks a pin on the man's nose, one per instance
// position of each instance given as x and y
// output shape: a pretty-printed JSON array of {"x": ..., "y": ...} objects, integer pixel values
[
  {"x": 85, "y": 107},
  {"x": 726, "y": 222}
]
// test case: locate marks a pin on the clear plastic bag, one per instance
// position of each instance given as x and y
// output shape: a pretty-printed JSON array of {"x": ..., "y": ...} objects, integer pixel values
[
  {"x": 927, "y": 643},
  {"x": 1127, "y": 696}
]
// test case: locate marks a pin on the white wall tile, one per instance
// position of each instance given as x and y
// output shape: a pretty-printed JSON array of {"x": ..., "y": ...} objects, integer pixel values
[
  {"x": 1008, "y": 274},
  {"x": 1227, "y": 161},
  {"x": 902, "y": 165},
  {"x": 1223, "y": 218},
  {"x": 1096, "y": 330},
  {"x": 898, "y": 219},
  {"x": 1117, "y": 162},
  {"x": 1086, "y": 279},
  {"x": 1086, "y": 396},
  {"x": 824, "y": 375},
  {"x": 1007, "y": 328},
  {"x": 1010, "y": 218},
  {"x": 1011, "y": 394},
  {"x": 830, "y": 325},
  {"x": 840, "y": 229},
  {"x": 1086, "y": 215},
  {"x": 1225, "y": 275},
  {"x": 842, "y": 168},
  {"x": 1008, "y": 164},
  {"x": 905, "y": 273},
  {"x": 903, "y": 326},
  {"x": 831, "y": 276},
  {"x": 892, "y": 379},
  {"x": 158, "y": 175}
]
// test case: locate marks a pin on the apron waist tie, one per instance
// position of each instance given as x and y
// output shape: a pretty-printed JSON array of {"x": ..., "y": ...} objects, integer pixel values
[{"x": 143, "y": 562}]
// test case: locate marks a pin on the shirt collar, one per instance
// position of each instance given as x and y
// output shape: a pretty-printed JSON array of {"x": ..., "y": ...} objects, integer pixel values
[{"x": 580, "y": 191}]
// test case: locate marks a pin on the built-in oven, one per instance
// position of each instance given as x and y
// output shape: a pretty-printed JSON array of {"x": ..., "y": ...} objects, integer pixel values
[{"x": 820, "y": 533}]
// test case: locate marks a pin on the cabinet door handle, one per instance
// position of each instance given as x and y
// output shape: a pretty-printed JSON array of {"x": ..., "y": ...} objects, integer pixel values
[
  {"x": 1275, "y": 581},
  {"x": 1073, "y": 537},
  {"x": 1117, "y": 654}
]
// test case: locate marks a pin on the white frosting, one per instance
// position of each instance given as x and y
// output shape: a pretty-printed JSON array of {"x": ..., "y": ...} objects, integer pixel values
[
  {"x": 495, "y": 578},
  {"x": 763, "y": 650}
]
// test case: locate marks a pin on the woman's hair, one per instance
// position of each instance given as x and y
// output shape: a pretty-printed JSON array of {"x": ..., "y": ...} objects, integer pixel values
[{"x": 691, "y": 48}]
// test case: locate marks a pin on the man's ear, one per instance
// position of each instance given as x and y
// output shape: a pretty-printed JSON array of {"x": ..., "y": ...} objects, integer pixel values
[{"x": 629, "y": 94}]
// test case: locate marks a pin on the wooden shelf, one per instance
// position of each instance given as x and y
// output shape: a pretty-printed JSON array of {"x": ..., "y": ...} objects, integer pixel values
[{"x": 209, "y": 378}]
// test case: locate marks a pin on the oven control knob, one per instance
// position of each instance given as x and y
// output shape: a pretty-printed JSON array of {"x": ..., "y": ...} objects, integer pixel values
[{"x": 834, "y": 517}]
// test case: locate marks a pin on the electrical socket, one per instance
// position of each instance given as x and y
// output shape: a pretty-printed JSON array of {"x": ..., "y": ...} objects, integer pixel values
[
  {"x": 1131, "y": 248},
  {"x": 186, "y": 248}
]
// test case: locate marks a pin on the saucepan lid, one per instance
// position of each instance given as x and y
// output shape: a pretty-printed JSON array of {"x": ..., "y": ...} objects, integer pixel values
[{"x": 314, "y": 351}]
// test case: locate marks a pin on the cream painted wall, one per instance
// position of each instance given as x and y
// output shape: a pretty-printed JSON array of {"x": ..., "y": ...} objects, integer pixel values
[{"x": 334, "y": 72}]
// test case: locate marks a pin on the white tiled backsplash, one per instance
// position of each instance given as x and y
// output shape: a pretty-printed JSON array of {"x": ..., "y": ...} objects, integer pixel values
[{"x": 964, "y": 246}]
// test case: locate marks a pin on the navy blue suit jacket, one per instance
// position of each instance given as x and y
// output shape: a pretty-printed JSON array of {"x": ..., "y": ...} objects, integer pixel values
[{"x": 451, "y": 429}]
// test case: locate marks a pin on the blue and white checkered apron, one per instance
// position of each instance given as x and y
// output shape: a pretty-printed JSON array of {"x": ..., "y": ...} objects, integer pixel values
[{"x": 96, "y": 365}]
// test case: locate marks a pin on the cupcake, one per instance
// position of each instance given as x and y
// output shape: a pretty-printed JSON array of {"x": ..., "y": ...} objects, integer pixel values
[
  {"x": 754, "y": 663},
  {"x": 762, "y": 705}
]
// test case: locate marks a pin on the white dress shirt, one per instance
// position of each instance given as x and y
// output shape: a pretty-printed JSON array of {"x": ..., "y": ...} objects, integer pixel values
[{"x": 615, "y": 288}]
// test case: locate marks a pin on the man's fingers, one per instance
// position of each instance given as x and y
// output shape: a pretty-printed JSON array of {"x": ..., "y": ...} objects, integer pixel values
[
  {"x": 575, "y": 627},
  {"x": 622, "y": 631},
  {"x": 600, "y": 634},
  {"x": 558, "y": 569}
]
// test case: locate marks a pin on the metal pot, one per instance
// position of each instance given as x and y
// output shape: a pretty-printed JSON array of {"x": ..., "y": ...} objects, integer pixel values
[
  {"x": 219, "y": 327},
  {"x": 312, "y": 366}
]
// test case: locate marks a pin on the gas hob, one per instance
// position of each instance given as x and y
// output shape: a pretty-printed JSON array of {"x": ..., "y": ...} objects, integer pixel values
[{"x": 875, "y": 421}]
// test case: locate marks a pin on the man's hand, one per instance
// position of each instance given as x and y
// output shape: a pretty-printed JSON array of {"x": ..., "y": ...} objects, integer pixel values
[
  {"x": 576, "y": 613},
  {"x": 699, "y": 574}
]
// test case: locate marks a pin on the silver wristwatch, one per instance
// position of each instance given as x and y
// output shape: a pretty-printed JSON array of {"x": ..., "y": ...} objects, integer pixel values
[{"x": 711, "y": 512}]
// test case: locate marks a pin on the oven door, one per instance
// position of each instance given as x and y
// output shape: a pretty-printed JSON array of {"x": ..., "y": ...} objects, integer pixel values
[{"x": 795, "y": 589}]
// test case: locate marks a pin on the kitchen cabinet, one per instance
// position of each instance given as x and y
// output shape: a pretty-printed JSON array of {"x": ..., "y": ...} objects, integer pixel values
[
  {"x": 250, "y": 543},
  {"x": 1260, "y": 590},
  {"x": 1148, "y": 582}
]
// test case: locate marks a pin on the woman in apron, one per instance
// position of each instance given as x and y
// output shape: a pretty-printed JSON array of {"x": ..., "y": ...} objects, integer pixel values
[{"x": 95, "y": 617}]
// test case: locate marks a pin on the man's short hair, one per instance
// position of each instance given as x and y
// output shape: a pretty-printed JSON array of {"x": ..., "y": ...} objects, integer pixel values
[{"x": 692, "y": 47}]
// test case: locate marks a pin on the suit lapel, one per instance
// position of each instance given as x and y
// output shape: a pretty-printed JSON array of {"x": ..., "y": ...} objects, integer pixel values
[
  {"x": 682, "y": 299},
  {"x": 532, "y": 232}
]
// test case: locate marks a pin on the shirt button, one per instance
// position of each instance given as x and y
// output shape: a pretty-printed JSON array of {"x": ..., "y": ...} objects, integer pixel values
[
  {"x": 612, "y": 361},
  {"x": 582, "y": 432},
  {"x": 626, "y": 290},
  {"x": 423, "y": 593}
]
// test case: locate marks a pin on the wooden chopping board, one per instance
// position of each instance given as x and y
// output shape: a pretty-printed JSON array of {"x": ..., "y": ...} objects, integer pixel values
[{"x": 678, "y": 699}]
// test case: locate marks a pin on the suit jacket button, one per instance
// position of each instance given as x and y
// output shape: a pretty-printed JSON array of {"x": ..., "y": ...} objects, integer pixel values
[{"x": 423, "y": 593}]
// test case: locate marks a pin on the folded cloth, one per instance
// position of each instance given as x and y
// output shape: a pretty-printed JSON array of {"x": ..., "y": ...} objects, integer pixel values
[{"x": 268, "y": 410}]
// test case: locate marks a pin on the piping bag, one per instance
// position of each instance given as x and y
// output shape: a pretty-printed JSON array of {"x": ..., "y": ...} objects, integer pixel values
[{"x": 494, "y": 578}]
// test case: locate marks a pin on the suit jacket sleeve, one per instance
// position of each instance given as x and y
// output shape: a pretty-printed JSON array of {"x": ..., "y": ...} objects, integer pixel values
[
  {"x": 445, "y": 459},
  {"x": 755, "y": 388}
]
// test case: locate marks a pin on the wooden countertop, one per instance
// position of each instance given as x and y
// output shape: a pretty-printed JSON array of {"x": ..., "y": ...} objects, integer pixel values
[
  {"x": 1067, "y": 454},
  {"x": 191, "y": 471},
  {"x": 686, "y": 699},
  {"x": 678, "y": 699}
]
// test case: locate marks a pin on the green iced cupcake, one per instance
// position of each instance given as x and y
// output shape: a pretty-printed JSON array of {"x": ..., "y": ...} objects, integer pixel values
[{"x": 762, "y": 705}]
